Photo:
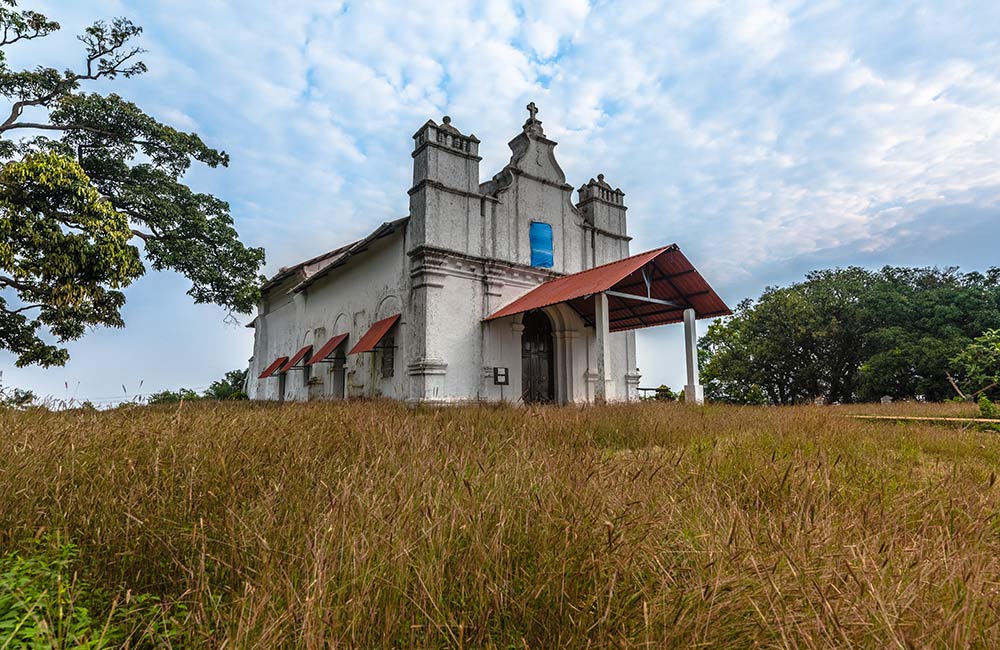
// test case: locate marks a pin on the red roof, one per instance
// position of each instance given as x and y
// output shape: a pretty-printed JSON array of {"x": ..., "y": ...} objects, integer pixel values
[
  {"x": 271, "y": 368},
  {"x": 303, "y": 351},
  {"x": 374, "y": 335},
  {"x": 671, "y": 277},
  {"x": 327, "y": 349}
]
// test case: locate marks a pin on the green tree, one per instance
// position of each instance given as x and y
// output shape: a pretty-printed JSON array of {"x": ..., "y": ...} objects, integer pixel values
[
  {"x": 793, "y": 344},
  {"x": 849, "y": 335},
  {"x": 977, "y": 367},
  {"x": 173, "y": 396},
  {"x": 16, "y": 398},
  {"x": 231, "y": 386},
  {"x": 921, "y": 319},
  {"x": 90, "y": 186}
]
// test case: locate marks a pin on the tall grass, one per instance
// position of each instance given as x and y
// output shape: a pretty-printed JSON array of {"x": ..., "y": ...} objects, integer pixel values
[{"x": 654, "y": 525}]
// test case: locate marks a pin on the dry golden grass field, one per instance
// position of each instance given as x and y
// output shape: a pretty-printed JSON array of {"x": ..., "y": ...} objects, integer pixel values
[{"x": 369, "y": 525}]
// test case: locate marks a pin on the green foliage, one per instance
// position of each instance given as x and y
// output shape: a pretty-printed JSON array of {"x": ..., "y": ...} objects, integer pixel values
[
  {"x": 15, "y": 398},
  {"x": 663, "y": 393},
  {"x": 978, "y": 364},
  {"x": 67, "y": 252},
  {"x": 44, "y": 603},
  {"x": 230, "y": 387},
  {"x": 39, "y": 606},
  {"x": 173, "y": 396},
  {"x": 849, "y": 335},
  {"x": 987, "y": 408},
  {"x": 74, "y": 204}
]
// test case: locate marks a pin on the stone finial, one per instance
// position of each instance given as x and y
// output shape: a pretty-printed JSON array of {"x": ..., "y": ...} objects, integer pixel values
[
  {"x": 533, "y": 125},
  {"x": 446, "y": 135},
  {"x": 446, "y": 125},
  {"x": 601, "y": 189}
]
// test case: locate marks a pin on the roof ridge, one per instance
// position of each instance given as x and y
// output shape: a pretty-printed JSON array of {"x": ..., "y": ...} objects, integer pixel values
[
  {"x": 286, "y": 270},
  {"x": 625, "y": 259}
]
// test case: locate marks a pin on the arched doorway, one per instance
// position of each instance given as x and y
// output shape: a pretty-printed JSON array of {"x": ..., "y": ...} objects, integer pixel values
[{"x": 537, "y": 368}]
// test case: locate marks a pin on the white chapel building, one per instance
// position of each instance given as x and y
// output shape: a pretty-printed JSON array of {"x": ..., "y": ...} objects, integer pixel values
[{"x": 506, "y": 289}]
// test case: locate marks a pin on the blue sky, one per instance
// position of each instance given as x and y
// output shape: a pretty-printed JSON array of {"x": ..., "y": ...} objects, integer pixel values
[{"x": 766, "y": 138}]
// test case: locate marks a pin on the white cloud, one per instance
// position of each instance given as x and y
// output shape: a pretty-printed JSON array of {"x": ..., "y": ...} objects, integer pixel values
[{"x": 757, "y": 134}]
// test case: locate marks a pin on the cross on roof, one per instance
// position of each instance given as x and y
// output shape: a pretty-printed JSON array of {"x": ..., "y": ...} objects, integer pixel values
[{"x": 532, "y": 111}]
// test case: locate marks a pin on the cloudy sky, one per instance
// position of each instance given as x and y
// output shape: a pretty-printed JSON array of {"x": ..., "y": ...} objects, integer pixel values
[{"x": 766, "y": 138}]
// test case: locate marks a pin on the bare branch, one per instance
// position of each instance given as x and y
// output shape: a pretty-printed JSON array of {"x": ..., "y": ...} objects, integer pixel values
[
  {"x": 954, "y": 385},
  {"x": 55, "y": 127},
  {"x": 72, "y": 79},
  {"x": 77, "y": 127},
  {"x": 20, "y": 37},
  {"x": 14, "y": 284},
  {"x": 983, "y": 390},
  {"x": 25, "y": 308}
]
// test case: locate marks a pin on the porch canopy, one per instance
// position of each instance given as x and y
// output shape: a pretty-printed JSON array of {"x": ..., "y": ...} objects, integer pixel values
[
  {"x": 374, "y": 335},
  {"x": 273, "y": 368},
  {"x": 648, "y": 289},
  {"x": 322, "y": 355},
  {"x": 657, "y": 287},
  {"x": 296, "y": 358}
]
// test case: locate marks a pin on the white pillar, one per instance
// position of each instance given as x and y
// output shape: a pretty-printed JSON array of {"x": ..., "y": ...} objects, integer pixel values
[
  {"x": 516, "y": 377},
  {"x": 694, "y": 393},
  {"x": 603, "y": 330}
]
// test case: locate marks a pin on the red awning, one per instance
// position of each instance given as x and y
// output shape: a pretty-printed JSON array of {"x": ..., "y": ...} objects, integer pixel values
[
  {"x": 374, "y": 335},
  {"x": 327, "y": 349},
  {"x": 303, "y": 351},
  {"x": 270, "y": 370},
  {"x": 663, "y": 274}
]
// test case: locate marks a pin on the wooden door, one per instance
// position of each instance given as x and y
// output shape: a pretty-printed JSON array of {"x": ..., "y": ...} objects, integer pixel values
[{"x": 537, "y": 380}]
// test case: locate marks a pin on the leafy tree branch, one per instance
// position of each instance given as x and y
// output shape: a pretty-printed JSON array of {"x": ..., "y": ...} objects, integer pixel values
[{"x": 92, "y": 190}]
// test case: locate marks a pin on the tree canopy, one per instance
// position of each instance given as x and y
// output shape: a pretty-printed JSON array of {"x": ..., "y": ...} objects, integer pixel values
[
  {"x": 231, "y": 387},
  {"x": 850, "y": 335},
  {"x": 90, "y": 188},
  {"x": 977, "y": 367}
]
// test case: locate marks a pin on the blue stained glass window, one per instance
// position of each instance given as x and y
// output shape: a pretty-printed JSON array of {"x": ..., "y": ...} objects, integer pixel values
[{"x": 540, "y": 236}]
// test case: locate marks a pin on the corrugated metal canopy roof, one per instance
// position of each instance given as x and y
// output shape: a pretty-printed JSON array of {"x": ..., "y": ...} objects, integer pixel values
[
  {"x": 270, "y": 370},
  {"x": 327, "y": 349},
  {"x": 371, "y": 338},
  {"x": 671, "y": 278},
  {"x": 303, "y": 351}
]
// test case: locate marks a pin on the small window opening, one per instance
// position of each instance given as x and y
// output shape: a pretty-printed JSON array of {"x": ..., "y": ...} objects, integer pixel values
[
  {"x": 388, "y": 357},
  {"x": 540, "y": 238}
]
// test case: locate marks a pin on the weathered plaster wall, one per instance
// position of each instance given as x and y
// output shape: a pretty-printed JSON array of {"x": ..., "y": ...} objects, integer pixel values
[
  {"x": 348, "y": 299},
  {"x": 464, "y": 253}
]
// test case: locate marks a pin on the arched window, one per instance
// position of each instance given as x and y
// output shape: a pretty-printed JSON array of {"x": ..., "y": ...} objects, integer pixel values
[{"x": 540, "y": 237}]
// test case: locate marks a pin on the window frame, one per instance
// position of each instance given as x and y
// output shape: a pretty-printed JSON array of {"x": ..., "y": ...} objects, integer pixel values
[
  {"x": 387, "y": 357},
  {"x": 540, "y": 263}
]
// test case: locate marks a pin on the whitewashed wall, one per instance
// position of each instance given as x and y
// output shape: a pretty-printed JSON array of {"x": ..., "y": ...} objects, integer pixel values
[
  {"x": 369, "y": 287},
  {"x": 463, "y": 254}
]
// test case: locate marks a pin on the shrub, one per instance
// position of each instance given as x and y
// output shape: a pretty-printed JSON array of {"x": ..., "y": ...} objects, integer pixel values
[
  {"x": 664, "y": 394},
  {"x": 987, "y": 408},
  {"x": 174, "y": 396},
  {"x": 44, "y": 603},
  {"x": 15, "y": 398}
]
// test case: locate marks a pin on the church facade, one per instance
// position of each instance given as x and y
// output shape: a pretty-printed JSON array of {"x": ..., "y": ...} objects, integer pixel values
[{"x": 507, "y": 289}]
